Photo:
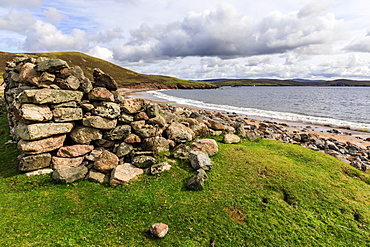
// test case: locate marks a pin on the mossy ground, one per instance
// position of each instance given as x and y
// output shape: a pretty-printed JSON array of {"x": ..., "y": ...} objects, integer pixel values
[{"x": 262, "y": 193}]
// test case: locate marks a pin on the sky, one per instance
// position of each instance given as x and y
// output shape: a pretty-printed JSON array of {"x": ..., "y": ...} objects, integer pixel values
[{"x": 200, "y": 39}]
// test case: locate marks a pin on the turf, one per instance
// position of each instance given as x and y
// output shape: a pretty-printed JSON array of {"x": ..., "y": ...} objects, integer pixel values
[{"x": 262, "y": 193}]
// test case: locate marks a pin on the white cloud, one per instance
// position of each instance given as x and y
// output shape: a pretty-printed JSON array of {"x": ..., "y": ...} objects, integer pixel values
[
  {"x": 53, "y": 16},
  {"x": 225, "y": 33},
  {"x": 46, "y": 37},
  {"x": 102, "y": 53},
  {"x": 21, "y": 3},
  {"x": 16, "y": 21}
]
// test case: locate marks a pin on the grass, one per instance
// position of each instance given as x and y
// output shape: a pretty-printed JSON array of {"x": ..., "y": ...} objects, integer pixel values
[{"x": 262, "y": 193}]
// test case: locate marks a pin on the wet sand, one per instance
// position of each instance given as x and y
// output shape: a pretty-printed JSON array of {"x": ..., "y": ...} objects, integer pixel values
[{"x": 361, "y": 139}]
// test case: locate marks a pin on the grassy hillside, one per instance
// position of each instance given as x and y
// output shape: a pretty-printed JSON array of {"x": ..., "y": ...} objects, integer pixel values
[
  {"x": 276, "y": 82},
  {"x": 262, "y": 193},
  {"x": 124, "y": 77}
]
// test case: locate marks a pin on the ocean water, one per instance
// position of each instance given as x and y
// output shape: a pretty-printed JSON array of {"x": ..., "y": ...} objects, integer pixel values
[{"x": 335, "y": 106}]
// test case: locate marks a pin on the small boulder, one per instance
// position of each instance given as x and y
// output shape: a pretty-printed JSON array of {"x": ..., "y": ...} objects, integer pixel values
[
  {"x": 158, "y": 230},
  {"x": 101, "y": 94},
  {"x": 200, "y": 160},
  {"x": 181, "y": 152},
  {"x": 197, "y": 181},
  {"x": 208, "y": 146},
  {"x": 82, "y": 134},
  {"x": 74, "y": 150},
  {"x": 124, "y": 173},
  {"x": 99, "y": 122},
  {"x": 123, "y": 149},
  {"x": 143, "y": 161},
  {"x": 69, "y": 175},
  {"x": 179, "y": 133},
  {"x": 34, "y": 162},
  {"x": 97, "y": 177},
  {"x": 132, "y": 106},
  {"x": 102, "y": 79},
  {"x": 159, "y": 168},
  {"x": 60, "y": 163},
  {"x": 41, "y": 146},
  {"x": 230, "y": 139},
  {"x": 106, "y": 162}
]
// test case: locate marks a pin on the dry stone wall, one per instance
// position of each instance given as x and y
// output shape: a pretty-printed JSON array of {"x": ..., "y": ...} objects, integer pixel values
[{"x": 75, "y": 128}]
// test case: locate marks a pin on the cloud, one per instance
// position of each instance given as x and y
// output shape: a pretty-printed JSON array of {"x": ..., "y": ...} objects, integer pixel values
[
  {"x": 17, "y": 21},
  {"x": 360, "y": 44},
  {"x": 225, "y": 33},
  {"x": 21, "y": 3},
  {"x": 101, "y": 52},
  {"x": 46, "y": 37},
  {"x": 53, "y": 16}
]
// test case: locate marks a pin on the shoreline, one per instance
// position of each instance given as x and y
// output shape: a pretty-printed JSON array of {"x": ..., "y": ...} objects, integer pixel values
[{"x": 326, "y": 132}]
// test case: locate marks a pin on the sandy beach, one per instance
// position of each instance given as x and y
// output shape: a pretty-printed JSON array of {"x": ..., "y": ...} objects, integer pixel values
[{"x": 361, "y": 139}]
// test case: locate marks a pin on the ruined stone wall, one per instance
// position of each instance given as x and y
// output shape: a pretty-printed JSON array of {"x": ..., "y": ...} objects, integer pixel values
[{"x": 74, "y": 128}]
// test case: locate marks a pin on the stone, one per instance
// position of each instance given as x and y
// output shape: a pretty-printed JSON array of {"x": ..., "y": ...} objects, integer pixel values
[
  {"x": 208, "y": 146},
  {"x": 230, "y": 139},
  {"x": 106, "y": 162},
  {"x": 137, "y": 125},
  {"x": 41, "y": 146},
  {"x": 69, "y": 175},
  {"x": 46, "y": 79},
  {"x": 40, "y": 172},
  {"x": 74, "y": 150},
  {"x": 240, "y": 130},
  {"x": 118, "y": 133},
  {"x": 159, "y": 230},
  {"x": 67, "y": 114},
  {"x": 70, "y": 104},
  {"x": 158, "y": 120},
  {"x": 60, "y": 163},
  {"x": 29, "y": 74},
  {"x": 38, "y": 113},
  {"x": 143, "y": 161},
  {"x": 159, "y": 168},
  {"x": 132, "y": 106},
  {"x": 34, "y": 162},
  {"x": 141, "y": 116},
  {"x": 124, "y": 173},
  {"x": 71, "y": 83},
  {"x": 94, "y": 154},
  {"x": 42, "y": 130},
  {"x": 215, "y": 125},
  {"x": 125, "y": 118},
  {"x": 201, "y": 130},
  {"x": 84, "y": 135},
  {"x": 49, "y": 96},
  {"x": 102, "y": 79},
  {"x": 101, "y": 94},
  {"x": 179, "y": 133},
  {"x": 107, "y": 110},
  {"x": 123, "y": 149},
  {"x": 229, "y": 129},
  {"x": 200, "y": 160},
  {"x": 97, "y": 177},
  {"x": 87, "y": 107},
  {"x": 156, "y": 144},
  {"x": 132, "y": 138},
  {"x": 252, "y": 136},
  {"x": 149, "y": 131},
  {"x": 86, "y": 85},
  {"x": 152, "y": 110},
  {"x": 181, "y": 152},
  {"x": 99, "y": 122},
  {"x": 51, "y": 65},
  {"x": 196, "y": 182}
]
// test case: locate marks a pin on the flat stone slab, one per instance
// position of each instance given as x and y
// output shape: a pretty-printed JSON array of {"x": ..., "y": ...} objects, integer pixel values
[
  {"x": 42, "y": 130},
  {"x": 49, "y": 96},
  {"x": 34, "y": 162},
  {"x": 124, "y": 173},
  {"x": 84, "y": 135},
  {"x": 41, "y": 146},
  {"x": 74, "y": 150},
  {"x": 39, "y": 113},
  {"x": 69, "y": 175},
  {"x": 67, "y": 114}
]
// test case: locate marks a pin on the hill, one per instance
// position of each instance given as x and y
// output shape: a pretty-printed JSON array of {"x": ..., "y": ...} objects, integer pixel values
[
  {"x": 260, "y": 193},
  {"x": 295, "y": 82},
  {"x": 124, "y": 77}
]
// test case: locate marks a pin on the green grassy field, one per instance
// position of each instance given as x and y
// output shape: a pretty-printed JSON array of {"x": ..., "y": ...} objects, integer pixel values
[{"x": 262, "y": 193}]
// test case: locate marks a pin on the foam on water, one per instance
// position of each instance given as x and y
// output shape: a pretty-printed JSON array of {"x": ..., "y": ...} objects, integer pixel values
[{"x": 263, "y": 113}]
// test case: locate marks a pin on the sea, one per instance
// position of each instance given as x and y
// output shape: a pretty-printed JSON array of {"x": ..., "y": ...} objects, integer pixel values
[{"x": 345, "y": 107}]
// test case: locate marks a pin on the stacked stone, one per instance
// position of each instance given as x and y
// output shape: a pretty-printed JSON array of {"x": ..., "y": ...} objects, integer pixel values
[{"x": 75, "y": 128}]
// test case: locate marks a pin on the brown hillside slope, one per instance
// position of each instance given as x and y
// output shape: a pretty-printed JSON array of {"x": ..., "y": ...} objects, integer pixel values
[{"x": 124, "y": 77}]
